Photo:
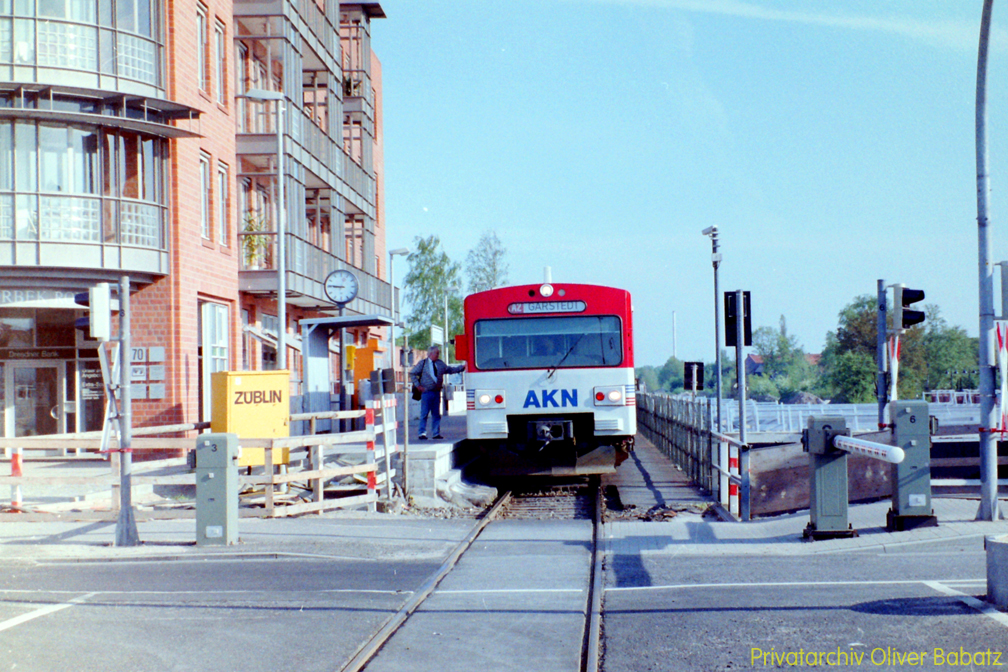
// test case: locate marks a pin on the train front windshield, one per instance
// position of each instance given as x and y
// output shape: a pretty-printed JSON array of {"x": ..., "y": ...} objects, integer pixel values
[{"x": 548, "y": 342}]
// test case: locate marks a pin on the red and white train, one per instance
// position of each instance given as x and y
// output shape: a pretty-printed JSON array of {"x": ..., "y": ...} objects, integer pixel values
[{"x": 550, "y": 378}]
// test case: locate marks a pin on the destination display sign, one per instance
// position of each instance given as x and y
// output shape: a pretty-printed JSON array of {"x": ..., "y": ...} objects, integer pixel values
[{"x": 537, "y": 307}]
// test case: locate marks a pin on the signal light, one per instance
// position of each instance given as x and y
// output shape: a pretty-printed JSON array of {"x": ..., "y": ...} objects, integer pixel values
[
  {"x": 904, "y": 318},
  {"x": 98, "y": 300}
]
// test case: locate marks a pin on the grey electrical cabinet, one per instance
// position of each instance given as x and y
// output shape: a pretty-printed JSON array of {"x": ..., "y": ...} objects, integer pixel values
[
  {"x": 827, "y": 479},
  {"x": 911, "y": 478},
  {"x": 216, "y": 489}
]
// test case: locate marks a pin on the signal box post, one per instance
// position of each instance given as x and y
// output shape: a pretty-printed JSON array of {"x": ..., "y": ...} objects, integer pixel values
[
  {"x": 911, "y": 478},
  {"x": 827, "y": 479}
]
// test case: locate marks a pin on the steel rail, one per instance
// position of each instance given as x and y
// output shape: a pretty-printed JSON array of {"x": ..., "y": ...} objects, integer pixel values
[
  {"x": 367, "y": 651},
  {"x": 593, "y": 623}
]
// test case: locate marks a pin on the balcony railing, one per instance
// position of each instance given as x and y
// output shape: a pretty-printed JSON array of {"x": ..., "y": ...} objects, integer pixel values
[{"x": 259, "y": 254}]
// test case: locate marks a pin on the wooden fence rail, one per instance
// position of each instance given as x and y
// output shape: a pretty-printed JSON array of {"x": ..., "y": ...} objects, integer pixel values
[{"x": 310, "y": 450}]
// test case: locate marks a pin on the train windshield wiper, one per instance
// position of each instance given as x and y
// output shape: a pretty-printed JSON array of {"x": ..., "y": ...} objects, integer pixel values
[{"x": 552, "y": 370}]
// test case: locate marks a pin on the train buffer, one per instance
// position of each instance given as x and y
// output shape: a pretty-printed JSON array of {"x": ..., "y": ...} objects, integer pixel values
[{"x": 828, "y": 442}]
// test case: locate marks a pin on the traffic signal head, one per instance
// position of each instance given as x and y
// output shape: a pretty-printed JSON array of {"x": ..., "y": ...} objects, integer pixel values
[
  {"x": 904, "y": 318},
  {"x": 98, "y": 300}
]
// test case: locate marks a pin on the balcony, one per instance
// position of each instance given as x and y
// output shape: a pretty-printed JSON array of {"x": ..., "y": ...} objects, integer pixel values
[{"x": 258, "y": 274}]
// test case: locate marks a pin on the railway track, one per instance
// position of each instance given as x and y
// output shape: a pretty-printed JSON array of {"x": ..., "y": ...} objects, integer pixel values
[{"x": 580, "y": 501}]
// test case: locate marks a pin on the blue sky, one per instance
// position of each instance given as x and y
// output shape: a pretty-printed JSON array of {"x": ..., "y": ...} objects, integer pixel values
[{"x": 832, "y": 144}]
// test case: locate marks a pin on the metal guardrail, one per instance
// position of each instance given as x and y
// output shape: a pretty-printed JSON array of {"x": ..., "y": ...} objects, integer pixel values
[
  {"x": 682, "y": 429},
  {"x": 777, "y": 417}
]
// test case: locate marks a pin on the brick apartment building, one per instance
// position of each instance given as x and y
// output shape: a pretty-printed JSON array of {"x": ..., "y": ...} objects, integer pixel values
[{"x": 128, "y": 146}]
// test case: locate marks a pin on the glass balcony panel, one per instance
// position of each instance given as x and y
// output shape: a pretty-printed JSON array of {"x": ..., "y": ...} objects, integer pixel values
[
  {"x": 6, "y": 40},
  {"x": 141, "y": 224},
  {"x": 6, "y": 217},
  {"x": 63, "y": 218},
  {"x": 24, "y": 42},
  {"x": 66, "y": 45},
  {"x": 137, "y": 59}
]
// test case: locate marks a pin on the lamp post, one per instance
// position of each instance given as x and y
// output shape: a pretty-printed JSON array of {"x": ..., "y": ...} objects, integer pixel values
[
  {"x": 260, "y": 94},
  {"x": 400, "y": 252},
  {"x": 712, "y": 231}
]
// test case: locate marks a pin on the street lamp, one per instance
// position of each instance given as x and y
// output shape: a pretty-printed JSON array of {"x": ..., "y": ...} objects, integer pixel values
[
  {"x": 712, "y": 232},
  {"x": 260, "y": 94},
  {"x": 400, "y": 252},
  {"x": 448, "y": 291}
]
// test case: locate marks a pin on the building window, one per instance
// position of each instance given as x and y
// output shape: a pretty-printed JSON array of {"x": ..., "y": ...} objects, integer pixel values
[
  {"x": 222, "y": 204},
  {"x": 241, "y": 81},
  {"x": 214, "y": 354},
  {"x": 201, "y": 48},
  {"x": 81, "y": 184},
  {"x": 219, "y": 57},
  {"x": 205, "y": 196}
]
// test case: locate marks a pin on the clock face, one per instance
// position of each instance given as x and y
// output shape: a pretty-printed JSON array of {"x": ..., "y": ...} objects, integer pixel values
[{"x": 341, "y": 286}]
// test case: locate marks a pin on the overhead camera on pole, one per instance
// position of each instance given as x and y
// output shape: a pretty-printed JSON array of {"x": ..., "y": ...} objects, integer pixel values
[{"x": 903, "y": 319}]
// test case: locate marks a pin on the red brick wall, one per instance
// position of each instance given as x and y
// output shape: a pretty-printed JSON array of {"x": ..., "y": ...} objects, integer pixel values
[{"x": 166, "y": 313}]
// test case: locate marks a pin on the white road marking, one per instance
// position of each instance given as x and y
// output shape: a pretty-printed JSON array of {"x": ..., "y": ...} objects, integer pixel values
[
  {"x": 43, "y": 611},
  {"x": 491, "y": 591},
  {"x": 777, "y": 584},
  {"x": 983, "y": 607}
]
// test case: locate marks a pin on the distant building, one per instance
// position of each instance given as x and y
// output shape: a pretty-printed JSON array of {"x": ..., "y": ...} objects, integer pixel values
[{"x": 128, "y": 147}]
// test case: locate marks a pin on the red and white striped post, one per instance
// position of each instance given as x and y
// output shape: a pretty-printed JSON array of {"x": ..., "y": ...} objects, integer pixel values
[
  {"x": 372, "y": 475},
  {"x": 733, "y": 489},
  {"x": 16, "y": 472}
]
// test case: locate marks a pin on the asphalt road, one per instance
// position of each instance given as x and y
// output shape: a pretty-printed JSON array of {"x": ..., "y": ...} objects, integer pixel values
[
  {"x": 857, "y": 610},
  {"x": 201, "y": 614}
]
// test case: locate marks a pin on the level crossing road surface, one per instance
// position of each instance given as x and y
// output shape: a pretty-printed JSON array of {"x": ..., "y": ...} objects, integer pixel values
[{"x": 687, "y": 591}]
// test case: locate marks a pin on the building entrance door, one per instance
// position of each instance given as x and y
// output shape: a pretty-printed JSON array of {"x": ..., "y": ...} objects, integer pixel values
[{"x": 34, "y": 394}]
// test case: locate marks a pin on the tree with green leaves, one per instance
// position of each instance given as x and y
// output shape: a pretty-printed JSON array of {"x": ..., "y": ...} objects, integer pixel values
[
  {"x": 784, "y": 363},
  {"x": 431, "y": 277},
  {"x": 486, "y": 267},
  {"x": 952, "y": 356},
  {"x": 849, "y": 367}
]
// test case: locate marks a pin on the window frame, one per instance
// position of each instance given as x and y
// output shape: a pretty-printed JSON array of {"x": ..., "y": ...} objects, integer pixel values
[
  {"x": 220, "y": 66},
  {"x": 202, "y": 26},
  {"x": 205, "y": 229},
  {"x": 223, "y": 197}
]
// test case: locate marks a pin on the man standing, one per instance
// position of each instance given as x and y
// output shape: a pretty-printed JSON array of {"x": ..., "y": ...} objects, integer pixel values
[{"x": 428, "y": 376}]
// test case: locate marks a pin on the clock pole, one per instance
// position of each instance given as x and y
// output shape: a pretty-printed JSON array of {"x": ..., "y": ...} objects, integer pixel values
[{"x": 342, "y": 372}]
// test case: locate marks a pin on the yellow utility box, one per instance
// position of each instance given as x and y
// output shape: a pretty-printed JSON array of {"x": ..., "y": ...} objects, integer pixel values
[{"x": 251, "y": 404}]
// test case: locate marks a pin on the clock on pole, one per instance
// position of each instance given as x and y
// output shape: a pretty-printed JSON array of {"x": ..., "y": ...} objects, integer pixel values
[{"x": 341, "y": 287}]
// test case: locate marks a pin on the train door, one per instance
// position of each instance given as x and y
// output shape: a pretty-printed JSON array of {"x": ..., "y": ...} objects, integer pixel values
[{"x": 33, "y": 396}]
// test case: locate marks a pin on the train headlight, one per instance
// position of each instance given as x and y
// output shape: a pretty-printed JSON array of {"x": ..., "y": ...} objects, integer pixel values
[
  {"x": 610, "y": 395},
  {"x": 546, "y": 290},
  {"x": 485, "y": 399}
]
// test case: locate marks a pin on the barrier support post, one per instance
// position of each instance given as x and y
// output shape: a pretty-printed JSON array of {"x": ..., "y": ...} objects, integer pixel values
[
  {"x": 911, "y": 478},
  {"x": 827, "y": 479}
]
